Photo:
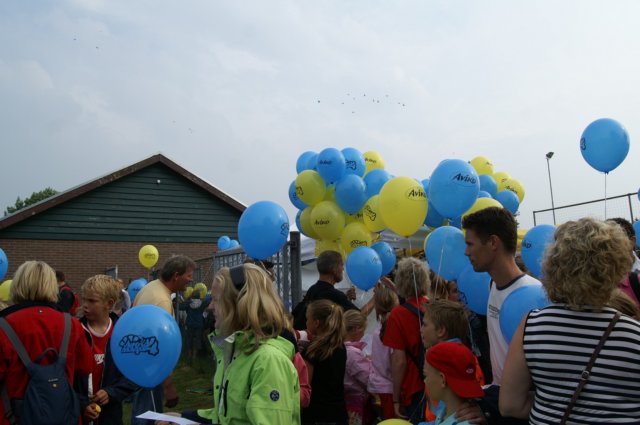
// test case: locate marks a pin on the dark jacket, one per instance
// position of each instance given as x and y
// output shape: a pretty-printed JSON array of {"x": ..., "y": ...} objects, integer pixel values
[
  {"x": 113, "y": 382},
  {"x": 319, "y": 291}
]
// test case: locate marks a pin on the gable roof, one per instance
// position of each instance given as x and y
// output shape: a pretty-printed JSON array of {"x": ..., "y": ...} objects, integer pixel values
[{"x": 82, "y": 189}]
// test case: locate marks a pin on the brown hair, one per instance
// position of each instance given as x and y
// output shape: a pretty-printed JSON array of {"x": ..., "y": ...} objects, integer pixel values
[
  {"x": 331, "y": 330},
  {"x": 494, "y": 221},
  {"x": 448, "y": 315}
]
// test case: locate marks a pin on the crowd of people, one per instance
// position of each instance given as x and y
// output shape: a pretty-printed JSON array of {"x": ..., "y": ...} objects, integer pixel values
[{"x": 430, "y": 359}]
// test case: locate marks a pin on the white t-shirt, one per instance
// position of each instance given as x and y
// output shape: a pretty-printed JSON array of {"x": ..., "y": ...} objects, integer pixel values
[{"x": 499, "y": 345}]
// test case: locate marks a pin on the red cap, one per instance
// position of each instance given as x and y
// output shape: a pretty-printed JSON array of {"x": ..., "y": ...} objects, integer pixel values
[{"x": 458, "y": 364}]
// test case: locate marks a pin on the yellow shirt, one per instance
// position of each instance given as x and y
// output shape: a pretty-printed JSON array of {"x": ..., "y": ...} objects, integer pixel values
[{"x": 155, "y": 293}]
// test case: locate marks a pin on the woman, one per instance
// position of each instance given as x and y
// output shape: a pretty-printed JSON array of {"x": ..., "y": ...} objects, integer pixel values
[
  {"x": 39, "y": 326},
  {"x": 255, "y": 381},
  {"x": 553, "y": 346}
]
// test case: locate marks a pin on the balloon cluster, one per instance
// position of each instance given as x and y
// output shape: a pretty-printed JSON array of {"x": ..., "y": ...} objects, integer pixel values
[
  {"x": 225, "y": 243},
  {"x": 346, "y": 198}
]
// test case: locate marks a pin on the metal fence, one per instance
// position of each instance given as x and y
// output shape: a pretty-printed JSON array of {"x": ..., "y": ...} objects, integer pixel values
[
  {"x": 287, "y": 268},
  {"x": 625, "y": 206}
]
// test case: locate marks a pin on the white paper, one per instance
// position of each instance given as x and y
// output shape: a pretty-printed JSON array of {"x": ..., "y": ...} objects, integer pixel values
[{"x": 161, "y": 417}]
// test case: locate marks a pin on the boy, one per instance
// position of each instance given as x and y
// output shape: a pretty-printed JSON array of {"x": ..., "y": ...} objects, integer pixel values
[
  {"x": 102, "y": 394},
  {"x": 450, "y": 376}
]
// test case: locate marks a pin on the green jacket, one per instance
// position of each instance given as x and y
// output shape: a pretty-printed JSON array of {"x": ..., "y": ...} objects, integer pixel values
[{"x": 261, "y": 388}]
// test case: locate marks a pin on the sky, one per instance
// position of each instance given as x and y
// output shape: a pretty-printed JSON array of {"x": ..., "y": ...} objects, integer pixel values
[{"x": 235, "y": 91}]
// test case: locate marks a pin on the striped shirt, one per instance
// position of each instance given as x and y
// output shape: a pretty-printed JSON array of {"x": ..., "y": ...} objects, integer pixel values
[{"x": 558, "y": 344}]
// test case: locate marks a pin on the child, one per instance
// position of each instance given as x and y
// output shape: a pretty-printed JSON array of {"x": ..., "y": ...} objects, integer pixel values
[
  {"x": 450, "y": 376},
  {"x": 326, "y": 359},
  {"x": 194, "y": 307},
  {"x": 101, "y": 395},
  {"x": 358, "y": 368},
  {"x": 380, "y": 384}
]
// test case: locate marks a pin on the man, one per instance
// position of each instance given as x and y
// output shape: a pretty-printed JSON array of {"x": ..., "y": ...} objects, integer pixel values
[
  {"x": 68, "y": 301},
  {"x": 175, "y": 275},
  {"x": 491, "y": 238},
  {"x": 331, "y": 269},
  {"x": 629, "y": 287}
]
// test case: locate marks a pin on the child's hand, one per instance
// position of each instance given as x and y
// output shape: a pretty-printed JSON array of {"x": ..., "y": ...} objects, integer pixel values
[{"x": 101, "y": 397}]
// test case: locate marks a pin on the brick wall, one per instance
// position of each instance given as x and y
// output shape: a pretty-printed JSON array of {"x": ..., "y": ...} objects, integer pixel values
[{"x": 81, "y": 259}]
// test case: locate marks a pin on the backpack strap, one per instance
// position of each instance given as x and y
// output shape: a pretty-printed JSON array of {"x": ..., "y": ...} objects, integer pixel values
[
  {"x": 635, "y": 285},
  {"x": 65, "y": 337},
  {"x": 415, "y": 310},
  {"x": 15, "y": 341}
]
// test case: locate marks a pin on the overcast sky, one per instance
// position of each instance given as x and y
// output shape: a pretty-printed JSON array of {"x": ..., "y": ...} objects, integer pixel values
[{"x": 235, "y": 91}]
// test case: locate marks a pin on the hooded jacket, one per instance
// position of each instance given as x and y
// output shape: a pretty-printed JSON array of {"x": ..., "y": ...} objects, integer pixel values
[{"x": 257, "y": 388}]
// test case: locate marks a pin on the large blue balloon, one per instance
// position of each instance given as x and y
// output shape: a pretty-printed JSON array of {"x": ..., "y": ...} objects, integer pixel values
[
  {"x": 509, "y": 200},
  {"x": 474, "y": 289},
  {"x": 364, "y": 267},
  {"x": 433, "y": 219},
  {"x": 488, "y": 184},
  {"x": 374, "y": 180},
  {"x": 312, "y": 162},
  {"x": 135, "y": 287},
  {"x": 444, "y": 248},
  {"x": 534, "y": 243},
  {"x": 604, "y": 144},
  {"x": 354, "y": 161},
  {"x": 453, "y": 187},
  {"x": 519, "y": 303},
  {"x": 224, "y": 242},
  {"x": 331, "y": 165},
  {"x": 293, "y": 197},
  {"x": 4, "y": 264},
  {"x": 263, "y": 229},
  {"x": 146, "y": 345},
  {"x": 351, "y": 193},
  {"x": 636, "y": 228},
  {"x": 303, "y": 162},
  {"x": 387, "y": 256}
]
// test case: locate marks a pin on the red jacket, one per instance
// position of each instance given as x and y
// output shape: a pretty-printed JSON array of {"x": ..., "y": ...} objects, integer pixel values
[{"x": 39, "y": 326}]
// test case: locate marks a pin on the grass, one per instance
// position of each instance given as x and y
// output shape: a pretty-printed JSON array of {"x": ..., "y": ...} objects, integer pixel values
[{"x": 191, "y": 381}]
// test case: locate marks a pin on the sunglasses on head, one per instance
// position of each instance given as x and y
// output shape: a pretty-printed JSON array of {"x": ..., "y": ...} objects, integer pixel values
[{"x": 237, "y": 276}]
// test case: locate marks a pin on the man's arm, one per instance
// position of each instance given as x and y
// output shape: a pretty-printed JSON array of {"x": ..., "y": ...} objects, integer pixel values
[
  {"x": 515, "y": 398},
  {"x": 398, "y": 368}
]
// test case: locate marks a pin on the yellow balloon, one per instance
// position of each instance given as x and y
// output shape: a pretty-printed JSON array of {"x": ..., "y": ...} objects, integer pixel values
[
  {"x": 305, "y": 223},
  {"x": 5, "y": 288},
  {"x": 200, "y": 287},
  {"x": 372, "y": 160},
  {"x": 188, "y": 292},
  {"x": 355, "y": 235},
  {"x": 148, "y": 256},
  {"x": 480, "y": 204},
  {"x": 394, "y": 422},
  {"x": 482, "y": 165},
  {"x": 403, "y": 204},
  {"x": 324, "y": 245},
  {"x": 354, "y": 218},
  {"x": 521, "y": 233},
  {"x": 310, "y": 187},
  {"x": 327, "y": 219},
  {"x": 372, "y": 216},
  {"x": 516, "y": 187},
  {"x": 501, "y": 177},
  {"x": 330, "y": 193}
]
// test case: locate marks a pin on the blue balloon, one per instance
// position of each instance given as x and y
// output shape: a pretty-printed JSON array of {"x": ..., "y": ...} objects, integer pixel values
[
  {"x": 263, "y": 229},
  {"x": 351, "y": 193},
  {"x": 234, "y": 244},
  {"x": 488, "y": 184},
  {"x": 453, "y": 187},
  {"x": 474, "y": 289},
  {"x": 293, "y": 197},
  {"x": 433, "y": 219},
  {"x": 483, "y": 194},
  {"x": 312, "y": 162},
  {"x": 354, "y": 161},
  {"x": 456, "y": 222},
  {"x": 331, "y": 165},
  {"x": 425, "y": 185},
  {"x": 224, "y": 242},
  {"x": 534, "y": 243},
  {"x": 364, "y": 267},
  {"x": 444, "y": 248},
  {"x": 135, "y": 287},
  {"x": 604, "y": 144},
  {"x": 303, "y": 161},
  {"x": 374, "y": 180},
  {"x": 509, "y": 200},
  {"x": 387, "y": 256},
  {"x": 146, "y": 345},
  {"x": 636, "y": 228},
  {"x": 519, "y": 303},
  {"x": 4, "y": 264}
]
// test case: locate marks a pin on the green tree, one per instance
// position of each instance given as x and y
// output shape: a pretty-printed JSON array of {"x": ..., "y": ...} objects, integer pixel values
[{"x": 34, "y": 198}]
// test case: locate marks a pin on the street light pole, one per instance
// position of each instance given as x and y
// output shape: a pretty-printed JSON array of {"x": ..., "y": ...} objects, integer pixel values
[{"x": 553, "y": 207}]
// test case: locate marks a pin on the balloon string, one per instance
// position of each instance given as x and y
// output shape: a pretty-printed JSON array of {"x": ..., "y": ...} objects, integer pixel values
[
  {"x": 415, "y": 283},
  {"x": 153, "y": 400},
  {"x": 605, "y": 196}
]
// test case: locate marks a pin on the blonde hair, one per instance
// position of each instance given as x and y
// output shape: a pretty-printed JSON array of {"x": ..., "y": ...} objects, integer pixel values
[
  {"x": 439, "y": 286},
  {"x": 34, "y": 281},
  {"x": 105, "y": 287},
  {"x": 412, "y": 275},
  {"x": 331, "y": 331},
  {"x": 624, "y": 304},
  {"x": 354, "y": 321},
  {"x": 227, "y": 303},
  {"x": 586, "y": 262},
  {"x": 448, "y": 315}
]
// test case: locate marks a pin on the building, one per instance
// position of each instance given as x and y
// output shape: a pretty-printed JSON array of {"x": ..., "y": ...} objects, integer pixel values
[{"x": 100, "y": 226}]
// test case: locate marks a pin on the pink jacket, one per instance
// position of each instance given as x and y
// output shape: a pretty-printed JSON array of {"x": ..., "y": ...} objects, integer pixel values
[
  {"x": 357, "y": 370},
  {"x": 303, "y": 375},
  {"x": 380, "y": 379}
]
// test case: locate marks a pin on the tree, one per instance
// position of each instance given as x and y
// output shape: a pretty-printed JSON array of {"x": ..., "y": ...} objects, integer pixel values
[{"x": 34, "y": 198}]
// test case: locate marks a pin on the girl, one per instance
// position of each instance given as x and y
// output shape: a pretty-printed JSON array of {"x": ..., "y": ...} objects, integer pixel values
[
  {"x": 358, "y": 368},
  {"x": 326, "y": 358}
]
